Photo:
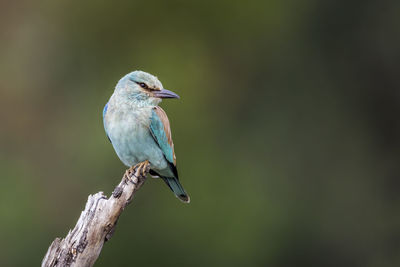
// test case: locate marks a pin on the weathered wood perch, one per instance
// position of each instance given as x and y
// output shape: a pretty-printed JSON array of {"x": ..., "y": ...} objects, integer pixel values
[{"x": 83, "y": 244}]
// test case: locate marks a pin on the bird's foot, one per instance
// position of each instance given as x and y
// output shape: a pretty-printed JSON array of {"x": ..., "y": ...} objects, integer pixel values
[
  {"x": 130, "y": 175},
  {"x": 143, "y": 168},
  {"x": 140, "y": 169}
]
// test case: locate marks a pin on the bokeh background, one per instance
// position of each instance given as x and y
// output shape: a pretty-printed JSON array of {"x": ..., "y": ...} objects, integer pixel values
[{"x": 286, "y": 133}]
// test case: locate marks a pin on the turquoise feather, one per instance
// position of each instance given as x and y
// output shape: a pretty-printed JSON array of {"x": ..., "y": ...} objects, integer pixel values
[
  {"x": 157, "y": 129},
  {"x": 139, "y": 130}
]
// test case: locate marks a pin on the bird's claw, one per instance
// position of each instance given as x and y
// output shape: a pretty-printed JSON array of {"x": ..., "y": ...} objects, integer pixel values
[
  {"x": 141, "y": 169},
  {"x": 129, "y": 175}
]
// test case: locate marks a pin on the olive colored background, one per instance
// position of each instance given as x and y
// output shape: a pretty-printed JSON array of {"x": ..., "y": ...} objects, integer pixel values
[{"x": 287, "y": 132}]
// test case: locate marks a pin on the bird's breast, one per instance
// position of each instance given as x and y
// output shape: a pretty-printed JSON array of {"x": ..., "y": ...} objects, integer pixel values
[
  {"x": 128, "y": 130},
  {"x": 127, "y": 125}
]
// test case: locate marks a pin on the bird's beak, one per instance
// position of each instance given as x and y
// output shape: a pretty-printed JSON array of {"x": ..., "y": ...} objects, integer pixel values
[{"x": 164, "y": 93}]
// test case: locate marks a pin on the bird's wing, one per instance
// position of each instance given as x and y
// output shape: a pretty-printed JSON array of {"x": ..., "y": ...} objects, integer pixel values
[
  {"x": 105, "y": 110},
  {"x": 161, "y": 132},
  {"x": 104, "y": 122}
]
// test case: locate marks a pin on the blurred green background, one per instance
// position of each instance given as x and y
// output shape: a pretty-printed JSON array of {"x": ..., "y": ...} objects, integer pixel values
[{"x": 286, "y": 133}]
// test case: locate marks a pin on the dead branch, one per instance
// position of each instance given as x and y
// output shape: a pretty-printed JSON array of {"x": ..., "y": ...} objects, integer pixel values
[{"x": 83, "y": 244}]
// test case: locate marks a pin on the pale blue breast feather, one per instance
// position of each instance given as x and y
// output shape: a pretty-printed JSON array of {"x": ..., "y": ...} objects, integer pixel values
[{"x": 158, "y": 132}]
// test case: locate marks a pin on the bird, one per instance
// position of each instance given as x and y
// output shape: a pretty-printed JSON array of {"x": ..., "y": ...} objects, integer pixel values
[{"x": 139, "y": 130}]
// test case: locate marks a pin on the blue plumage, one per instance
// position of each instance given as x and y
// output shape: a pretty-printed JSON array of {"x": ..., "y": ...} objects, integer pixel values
[
  {"x": 104, "y": 113},
  {"x": 105, "y": 110},
  {"x": 158, "y": 132},
  {"x": 139, "y": 129}
]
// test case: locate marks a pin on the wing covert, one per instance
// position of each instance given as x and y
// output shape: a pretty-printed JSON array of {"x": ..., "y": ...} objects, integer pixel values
[{"x": 161, "y": 131}]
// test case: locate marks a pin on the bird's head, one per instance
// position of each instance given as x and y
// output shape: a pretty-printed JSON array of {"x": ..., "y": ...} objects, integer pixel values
[{"x": 143, "y": 88}]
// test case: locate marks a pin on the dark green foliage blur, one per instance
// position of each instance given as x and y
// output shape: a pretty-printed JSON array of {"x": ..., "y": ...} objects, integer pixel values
[{"x": 287, "y": 133}]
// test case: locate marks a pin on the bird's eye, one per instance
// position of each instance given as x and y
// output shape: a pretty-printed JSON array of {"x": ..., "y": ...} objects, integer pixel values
[{"x": 143, "y": 85}]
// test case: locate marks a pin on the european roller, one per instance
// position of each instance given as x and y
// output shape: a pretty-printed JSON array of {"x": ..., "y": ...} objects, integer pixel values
[{"x": 139, "y": 129}]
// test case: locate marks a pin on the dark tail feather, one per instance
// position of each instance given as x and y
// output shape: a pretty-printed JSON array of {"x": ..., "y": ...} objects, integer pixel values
[{"x": 176, "y": 187}]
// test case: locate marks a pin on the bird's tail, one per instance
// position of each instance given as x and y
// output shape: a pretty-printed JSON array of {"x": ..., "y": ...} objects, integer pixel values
[{"x": 177, "y": 188}]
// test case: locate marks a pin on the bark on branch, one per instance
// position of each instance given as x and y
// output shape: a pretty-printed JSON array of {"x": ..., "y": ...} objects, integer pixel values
[{"x": 83, "y": 244}]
